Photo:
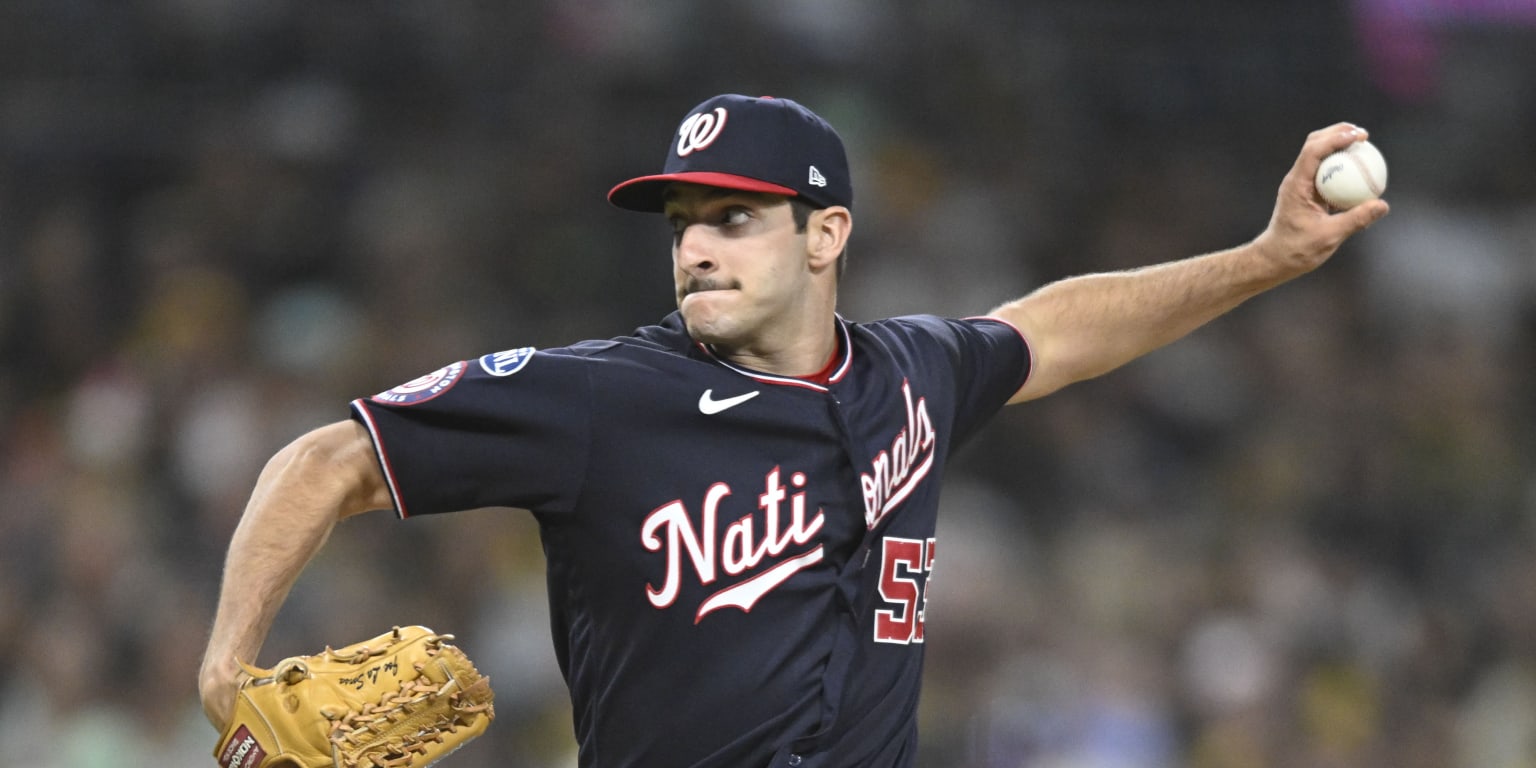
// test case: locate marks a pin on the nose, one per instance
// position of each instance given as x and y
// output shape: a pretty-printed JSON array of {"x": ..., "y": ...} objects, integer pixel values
[{"x": 691, "y": 250}]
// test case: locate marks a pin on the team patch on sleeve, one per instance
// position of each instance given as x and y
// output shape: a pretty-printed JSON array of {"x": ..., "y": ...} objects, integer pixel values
[
  {"x": 424, "y": 388},
  {"x": 507, "y": 363}
]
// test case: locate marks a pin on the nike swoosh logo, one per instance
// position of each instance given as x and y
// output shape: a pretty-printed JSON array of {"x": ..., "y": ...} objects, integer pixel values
[{"x": 709, "y": 406}]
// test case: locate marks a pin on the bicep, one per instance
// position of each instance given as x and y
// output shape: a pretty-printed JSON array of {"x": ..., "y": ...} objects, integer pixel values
[
  {"x": 339, "y": 460},
  {"x": 1042, "y": 379},
  {"x": 361, "y": 458}
]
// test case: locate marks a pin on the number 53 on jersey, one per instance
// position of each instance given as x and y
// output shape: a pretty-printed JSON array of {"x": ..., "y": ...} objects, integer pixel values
[{"x": 904, "y": 570}]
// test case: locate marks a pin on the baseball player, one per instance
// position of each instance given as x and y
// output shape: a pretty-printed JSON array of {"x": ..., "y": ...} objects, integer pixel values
[{"x": 738, "y": 503}]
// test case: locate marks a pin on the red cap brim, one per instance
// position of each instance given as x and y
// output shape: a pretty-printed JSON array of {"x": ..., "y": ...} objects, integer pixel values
[{"x": 648, "y": 193}]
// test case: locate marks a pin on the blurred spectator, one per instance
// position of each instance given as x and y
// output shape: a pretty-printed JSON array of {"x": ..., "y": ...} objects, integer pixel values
[{"x": 1303, "y": 536}]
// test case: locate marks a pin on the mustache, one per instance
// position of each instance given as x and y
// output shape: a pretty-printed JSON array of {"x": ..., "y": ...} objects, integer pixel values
[{"x": 702, "y": 284}]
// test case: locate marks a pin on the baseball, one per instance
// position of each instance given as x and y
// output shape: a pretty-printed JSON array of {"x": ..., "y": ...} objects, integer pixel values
[{"x": 1352, "y": 176}]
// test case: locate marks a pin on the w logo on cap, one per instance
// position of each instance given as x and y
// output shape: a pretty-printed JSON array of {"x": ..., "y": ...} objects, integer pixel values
[
  {"x": 775, "y": 147},
  {"x": 699, "y": 131}
]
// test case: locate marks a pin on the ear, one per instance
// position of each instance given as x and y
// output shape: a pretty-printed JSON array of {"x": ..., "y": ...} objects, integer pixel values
[{"x": 826, "y": 235}]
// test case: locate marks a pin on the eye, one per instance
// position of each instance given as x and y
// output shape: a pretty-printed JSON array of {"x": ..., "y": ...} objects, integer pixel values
[{"x": 735, "y": 216}]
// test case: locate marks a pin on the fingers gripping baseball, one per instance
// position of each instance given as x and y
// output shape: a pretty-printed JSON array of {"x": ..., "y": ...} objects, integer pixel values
[{"x": 1303, "y": 232}]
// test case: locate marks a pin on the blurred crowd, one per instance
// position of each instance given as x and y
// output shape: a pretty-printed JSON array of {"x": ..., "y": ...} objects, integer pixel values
[{"x": 1304, "y": 536}]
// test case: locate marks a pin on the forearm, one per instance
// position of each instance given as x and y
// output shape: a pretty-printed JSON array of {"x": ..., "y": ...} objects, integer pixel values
[
  {"x": 284, "y": 525},
  {"x": 1086, "y": 326},
  {"x": 301, "y": 494}
]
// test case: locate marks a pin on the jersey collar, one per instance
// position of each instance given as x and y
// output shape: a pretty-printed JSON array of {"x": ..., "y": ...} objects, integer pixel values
[{"x": 838, "y": 369}]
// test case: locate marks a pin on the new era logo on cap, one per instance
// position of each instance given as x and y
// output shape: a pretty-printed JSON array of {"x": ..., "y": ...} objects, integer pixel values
[{"x": 752, "y": 144}]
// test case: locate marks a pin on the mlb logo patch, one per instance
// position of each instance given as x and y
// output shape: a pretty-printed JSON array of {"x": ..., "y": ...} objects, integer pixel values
[{"x": 506, "y": 363}]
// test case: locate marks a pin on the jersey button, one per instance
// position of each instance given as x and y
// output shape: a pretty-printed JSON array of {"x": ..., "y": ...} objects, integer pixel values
[{"x": 794, "y": 760}]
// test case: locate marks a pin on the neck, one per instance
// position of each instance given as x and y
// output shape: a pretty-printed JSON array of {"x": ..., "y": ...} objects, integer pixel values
[
  {"x": 806, "y": 357},
  {"x": 793, "y": 339}
]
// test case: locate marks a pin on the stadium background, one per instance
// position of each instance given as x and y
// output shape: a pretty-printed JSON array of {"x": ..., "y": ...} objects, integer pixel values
[{"x": 1302, "y": 537}]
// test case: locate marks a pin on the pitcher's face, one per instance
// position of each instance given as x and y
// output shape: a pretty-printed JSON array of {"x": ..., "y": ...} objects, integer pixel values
[{"x": 738, "y": 263}]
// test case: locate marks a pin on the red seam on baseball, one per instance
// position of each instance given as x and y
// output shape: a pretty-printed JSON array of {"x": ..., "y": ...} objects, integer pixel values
[{"x": 1365, "y": 173}]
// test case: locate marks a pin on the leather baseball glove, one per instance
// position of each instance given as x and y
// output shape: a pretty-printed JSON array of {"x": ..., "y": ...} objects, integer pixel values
[{"x": 404, "y": 698}]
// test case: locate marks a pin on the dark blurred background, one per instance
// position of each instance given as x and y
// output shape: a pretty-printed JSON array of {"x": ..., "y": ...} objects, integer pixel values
[{"x": 1304, "y": 536}]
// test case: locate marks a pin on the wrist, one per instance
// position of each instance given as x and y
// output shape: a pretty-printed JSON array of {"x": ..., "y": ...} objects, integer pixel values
[
  {"x": 218, "y": 680},
  {"x": 1272, "y": 263},
  {"x": 217, "y": 671}
]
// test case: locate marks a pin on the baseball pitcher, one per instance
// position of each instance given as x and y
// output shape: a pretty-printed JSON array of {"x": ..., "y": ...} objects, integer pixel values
[{"x": 738, "y": 503}]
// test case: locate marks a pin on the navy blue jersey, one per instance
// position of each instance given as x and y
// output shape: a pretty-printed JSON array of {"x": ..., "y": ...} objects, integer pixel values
[{"x": 736, "y": 560}]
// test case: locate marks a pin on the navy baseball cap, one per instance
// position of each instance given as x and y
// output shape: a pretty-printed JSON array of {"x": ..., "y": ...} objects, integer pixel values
[{"x": 751, "y": 144}]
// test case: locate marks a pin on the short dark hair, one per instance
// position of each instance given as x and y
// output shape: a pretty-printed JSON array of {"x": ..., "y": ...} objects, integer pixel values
[{"x": 800, "y": 210}]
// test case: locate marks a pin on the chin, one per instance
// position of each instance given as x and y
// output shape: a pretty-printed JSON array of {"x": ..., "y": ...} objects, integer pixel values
[
  {"x": 706, "y": 330},
  {"x": 707, "y": 320}
]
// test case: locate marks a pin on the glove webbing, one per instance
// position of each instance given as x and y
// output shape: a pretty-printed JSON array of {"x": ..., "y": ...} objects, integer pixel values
[{"x": 354, "y": 726}]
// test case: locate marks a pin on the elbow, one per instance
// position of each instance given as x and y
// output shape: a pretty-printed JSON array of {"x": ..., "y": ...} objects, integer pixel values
[
  {"x": 1041, "y": 382},
  {"x": 1054, "y": 367}
]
